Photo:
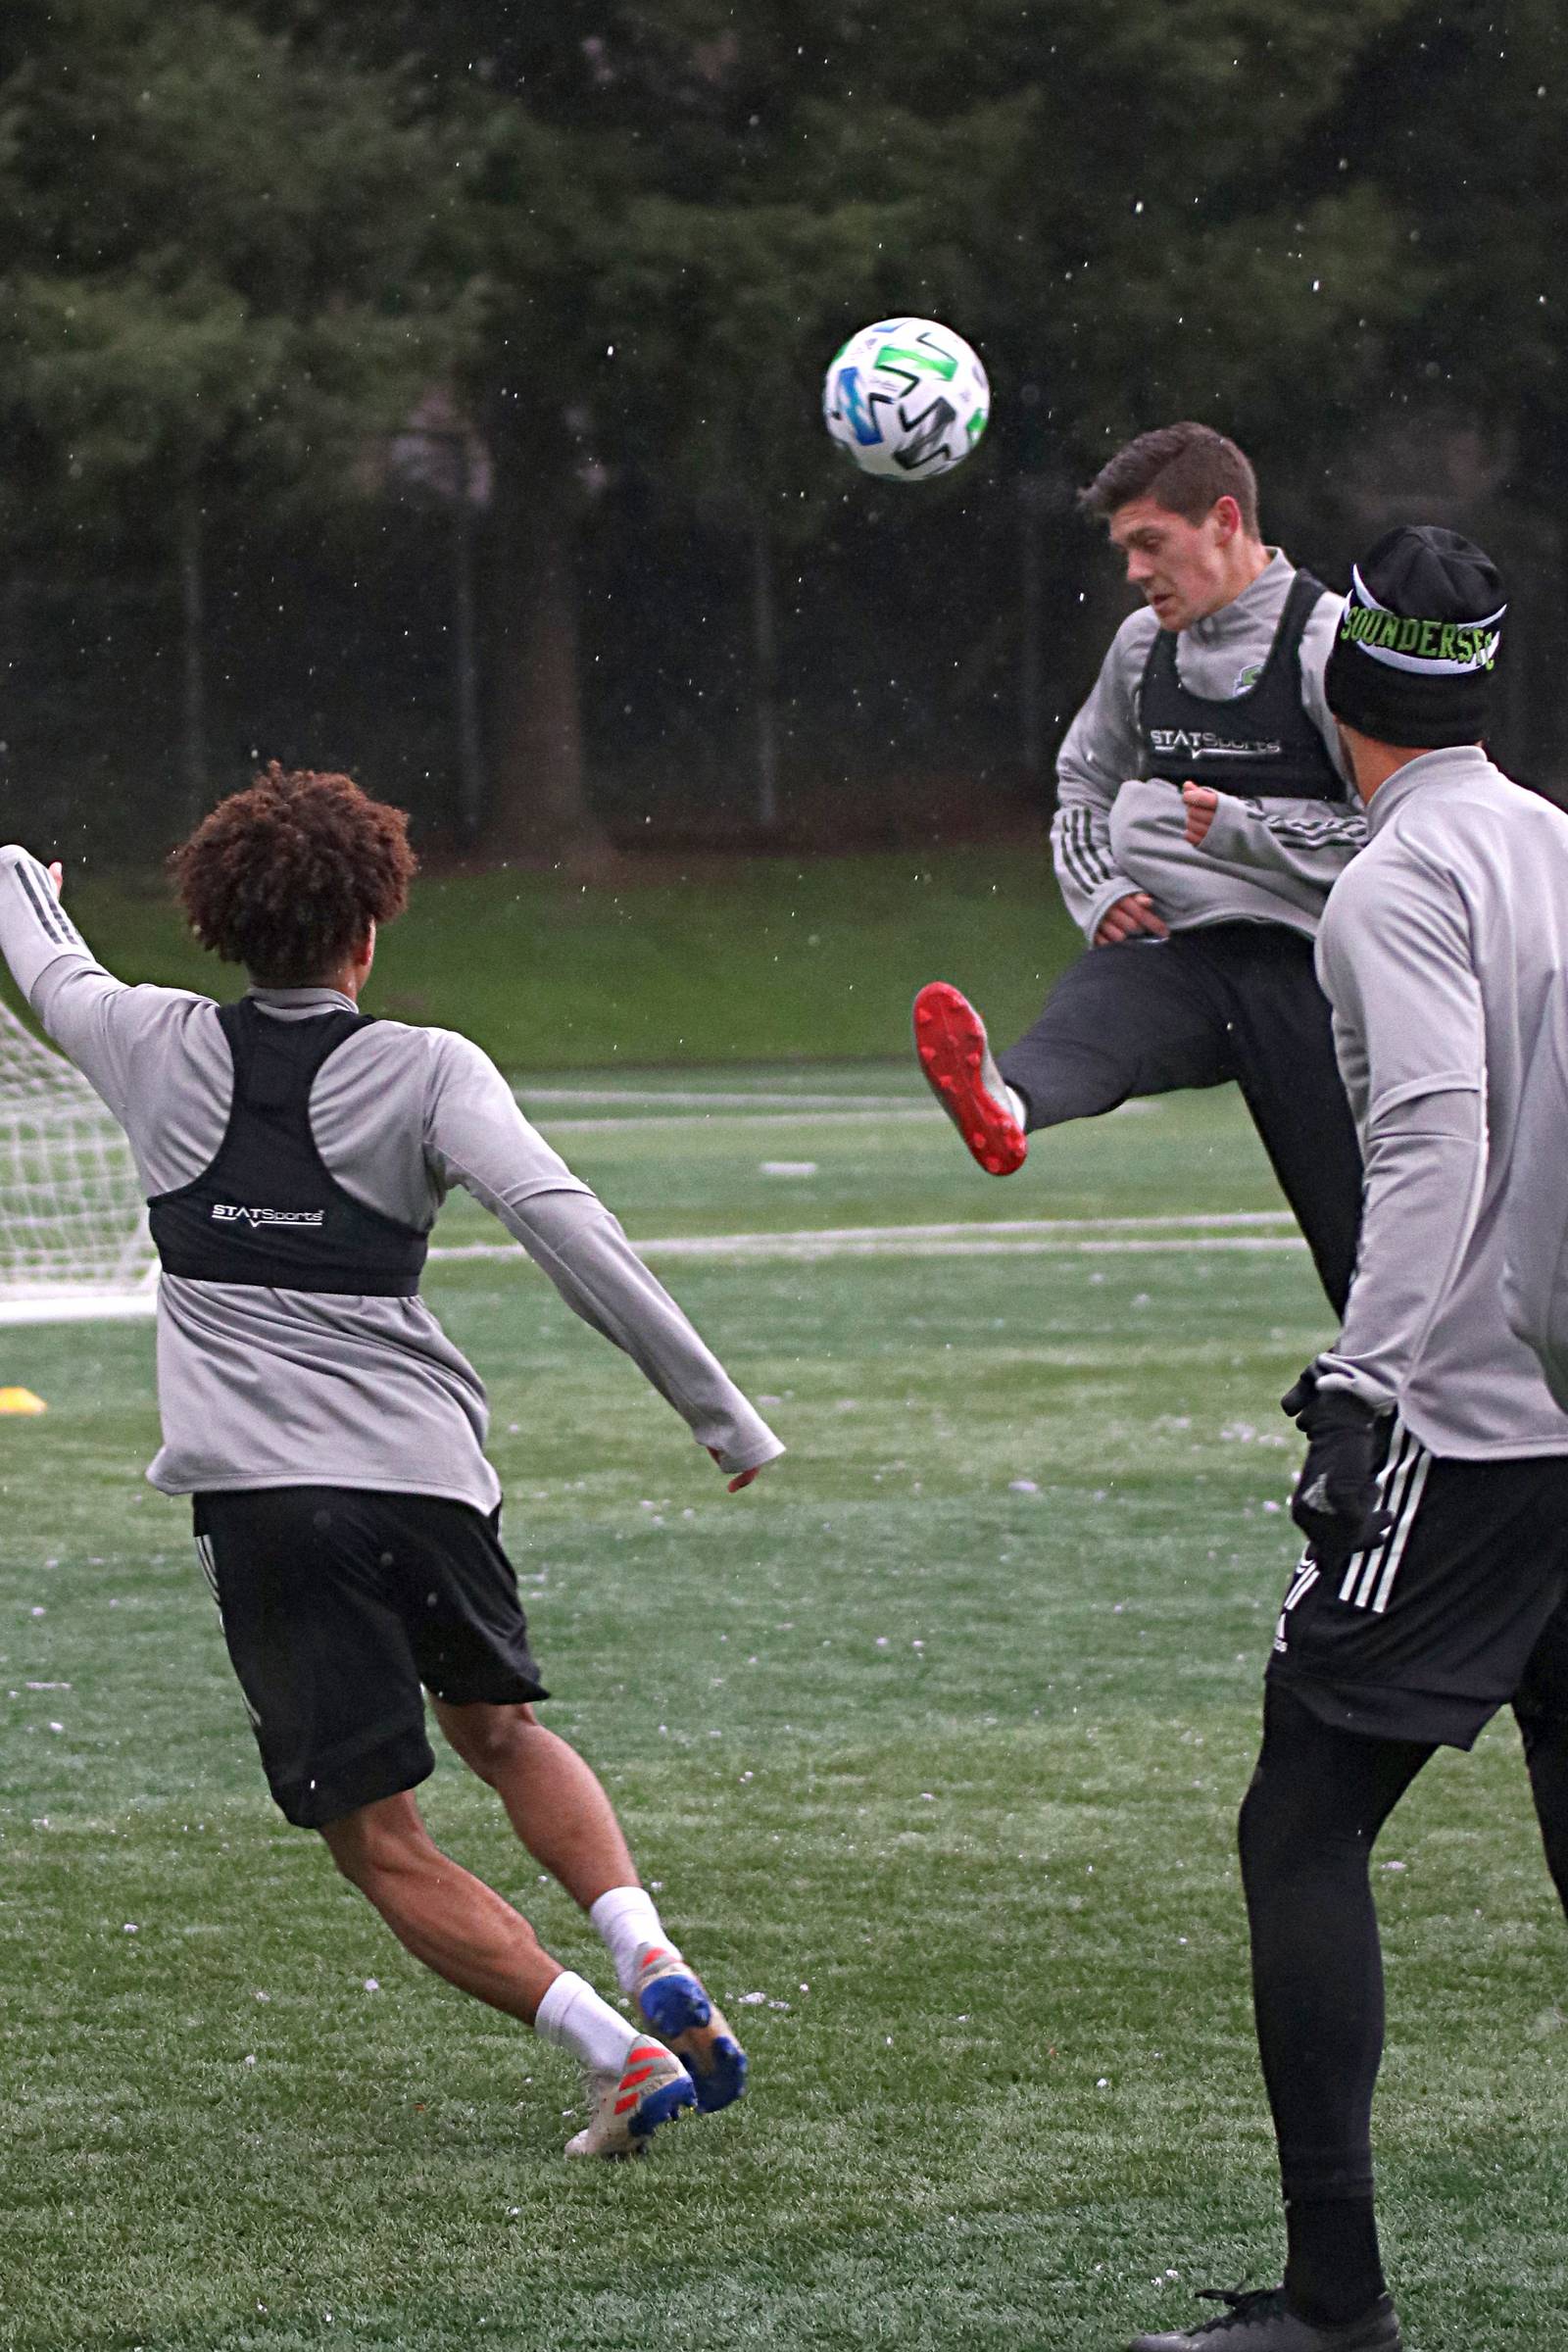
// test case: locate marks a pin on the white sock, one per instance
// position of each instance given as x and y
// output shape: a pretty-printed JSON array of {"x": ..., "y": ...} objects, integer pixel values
[
  {"x": 627, "y": 1918},
  {"x": 996, "y": 1087},
  {"x": 573, "y": 2016}
]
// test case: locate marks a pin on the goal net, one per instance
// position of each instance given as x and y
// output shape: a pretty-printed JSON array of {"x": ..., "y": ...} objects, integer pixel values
[{"x": 74, "y": 1239}]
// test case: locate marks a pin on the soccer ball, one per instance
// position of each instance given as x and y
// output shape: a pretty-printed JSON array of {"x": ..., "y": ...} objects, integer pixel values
[{"x": 907, "y": 398}]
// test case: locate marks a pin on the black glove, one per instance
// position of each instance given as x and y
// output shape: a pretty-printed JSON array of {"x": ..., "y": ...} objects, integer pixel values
[{"x": 1336, "y": 1501}]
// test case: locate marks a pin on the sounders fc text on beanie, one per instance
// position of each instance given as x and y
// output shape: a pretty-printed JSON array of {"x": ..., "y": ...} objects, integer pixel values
[{"x": 1418, "y": 640}]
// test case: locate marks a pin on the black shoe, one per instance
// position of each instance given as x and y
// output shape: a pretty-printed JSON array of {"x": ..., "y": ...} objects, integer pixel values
[{"x": 1260, "y": 2322}]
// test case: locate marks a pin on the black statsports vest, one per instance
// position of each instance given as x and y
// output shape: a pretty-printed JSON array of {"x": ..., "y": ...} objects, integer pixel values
[
  {"x": 269, "y": 1212},
  {"x": 1260, "y": 743}
]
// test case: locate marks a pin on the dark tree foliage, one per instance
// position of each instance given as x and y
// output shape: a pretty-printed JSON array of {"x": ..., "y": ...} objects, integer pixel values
[
  {"x": 605, "y": 249},
  {"x": 212, "y": 294},
  {"x": 1463, "y": 126}
]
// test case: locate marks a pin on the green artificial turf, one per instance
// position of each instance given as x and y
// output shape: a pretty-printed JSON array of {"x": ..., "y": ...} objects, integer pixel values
[
  {"x": 932, "y": 1740},
  {"x": 740, "y": 959}
]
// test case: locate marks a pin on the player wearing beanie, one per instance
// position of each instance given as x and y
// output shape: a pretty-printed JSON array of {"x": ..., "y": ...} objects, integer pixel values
[
  {"x": 1435, "y": 1489},
  {"x": 1204, "y": 814}
]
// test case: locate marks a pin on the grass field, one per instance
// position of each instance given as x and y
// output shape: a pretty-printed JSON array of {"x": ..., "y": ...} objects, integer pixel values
[
  {"x": 726, "y": 959},
  {"x": 933, "y": 1742}
]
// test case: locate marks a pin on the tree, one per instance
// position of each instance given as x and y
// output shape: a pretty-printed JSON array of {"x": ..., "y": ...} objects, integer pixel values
[
  {"x": 1463, "y": 125},
  {"x": 216, "y": 289},
  {"x": 636, "y": 258},
  {"x": 621, "y": 238}
]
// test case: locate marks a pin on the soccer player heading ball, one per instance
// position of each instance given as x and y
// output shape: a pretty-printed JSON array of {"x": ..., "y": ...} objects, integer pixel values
[
  {"x": 296, "y": 1153},
  {"x": 1205, "y": 813}
]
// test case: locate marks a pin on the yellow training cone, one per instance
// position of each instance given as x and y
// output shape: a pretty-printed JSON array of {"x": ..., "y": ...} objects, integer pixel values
[{"x": 20, "y": 1400}]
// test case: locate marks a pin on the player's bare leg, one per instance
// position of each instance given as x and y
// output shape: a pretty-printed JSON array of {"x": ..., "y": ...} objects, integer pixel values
[
  {"x": 955, "y": 1053},
  {"x": 554, "y": 1800},
  {"x": 438, "y": 1911},
  {"x": 558, "y": 1808},
  {"x": 466, "y": 1932}
]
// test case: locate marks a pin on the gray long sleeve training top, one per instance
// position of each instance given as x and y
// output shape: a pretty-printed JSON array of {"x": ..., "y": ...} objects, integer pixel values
[
  {"x": 270, "y": 1388},
  {"x": 1444, "y": 953},
  {"x": 1116, "y": 831},
  {"x": 1535, "y": 1242}
]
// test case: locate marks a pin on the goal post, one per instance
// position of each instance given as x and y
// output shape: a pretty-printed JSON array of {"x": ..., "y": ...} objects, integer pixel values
[{"x": 74, "y": 1237}]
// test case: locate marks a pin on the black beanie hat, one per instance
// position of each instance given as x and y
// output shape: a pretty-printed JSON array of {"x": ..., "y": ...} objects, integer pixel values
[{"x": 1418, "y": 639}]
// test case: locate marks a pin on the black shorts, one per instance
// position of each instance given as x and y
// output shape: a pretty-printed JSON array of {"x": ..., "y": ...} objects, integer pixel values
[
  {"x": 1460, "y": 1609},
  {"x": 337, "y": 1605}
]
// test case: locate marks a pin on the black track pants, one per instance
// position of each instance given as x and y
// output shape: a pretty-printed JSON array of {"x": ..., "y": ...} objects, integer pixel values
[
  {"x": 1541, "y": 1708},
  {"x": 1318, "y": 1798},
  {"x": 1231, "y": 1001}
]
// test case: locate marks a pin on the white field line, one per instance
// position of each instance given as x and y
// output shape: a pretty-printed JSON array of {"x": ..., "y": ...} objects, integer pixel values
[
  {"x": 1087, "y": 1236},
  {"x": 654, "y": 1109},
  {"x": 673, "y": 1098},
  {"x": 640, "y": 1124},
  {"x": 541, "y": 1106}
]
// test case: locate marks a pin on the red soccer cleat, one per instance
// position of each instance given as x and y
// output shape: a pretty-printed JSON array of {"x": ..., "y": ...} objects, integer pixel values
[{"x": 950, "y": 1037}]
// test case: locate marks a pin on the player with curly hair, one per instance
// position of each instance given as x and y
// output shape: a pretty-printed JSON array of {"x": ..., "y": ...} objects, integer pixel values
[{"x": 295, "y": 1152}]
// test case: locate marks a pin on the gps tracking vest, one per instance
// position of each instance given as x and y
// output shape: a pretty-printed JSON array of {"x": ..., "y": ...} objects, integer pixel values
[
  {"x": 268, "y": 1211},
  {"x": 1260, "y": 743}
]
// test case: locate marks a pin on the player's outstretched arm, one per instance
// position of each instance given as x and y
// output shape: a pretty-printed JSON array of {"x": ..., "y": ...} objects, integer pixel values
[
  {"x": 57, "y": 971},
  {"x": 476, "y": 1137},
  {"x": 746, "y": 1477},
  {"x": 35, "y": 931}
]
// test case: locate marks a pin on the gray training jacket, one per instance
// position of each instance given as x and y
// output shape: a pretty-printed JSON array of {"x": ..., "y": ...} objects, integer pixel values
[
  {"x": 1536, "y": 1214},
  {"x": 1444, "y": 953},
  {"x": 272, "y": 1388},
  {"x": 1116, "y": 831}
]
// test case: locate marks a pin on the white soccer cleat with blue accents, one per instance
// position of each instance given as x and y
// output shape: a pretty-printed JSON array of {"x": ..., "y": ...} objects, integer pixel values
[
  {"x": 653, "y": 2088},
  {"x": 672, "y": 2002}
]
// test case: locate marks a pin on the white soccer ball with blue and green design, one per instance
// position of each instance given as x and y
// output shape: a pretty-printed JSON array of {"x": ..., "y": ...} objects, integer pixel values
[{"x": 907, "y": 399}]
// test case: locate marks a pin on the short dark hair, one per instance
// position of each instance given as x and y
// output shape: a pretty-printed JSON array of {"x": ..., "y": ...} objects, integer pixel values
[
  {"x": 288, "y": 876},
  {"x": 1183, "y": 468}
]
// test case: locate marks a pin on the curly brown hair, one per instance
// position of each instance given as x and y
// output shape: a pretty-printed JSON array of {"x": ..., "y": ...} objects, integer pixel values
[{"x": 287, "y": 876}]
